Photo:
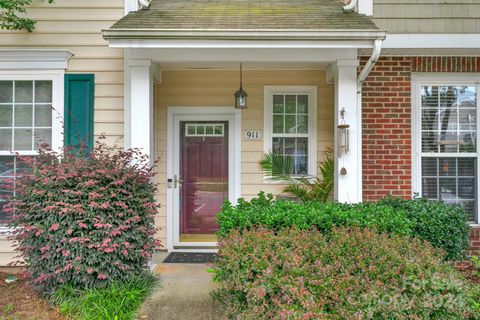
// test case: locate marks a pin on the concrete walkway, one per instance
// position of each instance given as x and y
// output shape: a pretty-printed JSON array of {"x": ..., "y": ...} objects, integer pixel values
[{"x": 184, "y": 293}]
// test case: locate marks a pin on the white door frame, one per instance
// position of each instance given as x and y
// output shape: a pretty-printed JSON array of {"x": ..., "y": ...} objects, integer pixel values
[{"x": 174, "y": 116}]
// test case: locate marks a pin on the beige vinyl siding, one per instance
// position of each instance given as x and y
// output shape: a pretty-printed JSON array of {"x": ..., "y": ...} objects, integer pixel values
[
  {"x": 427, "y": 16},
  {"x": 77, "y": 25},
  {"x": 196, "y": 88}
]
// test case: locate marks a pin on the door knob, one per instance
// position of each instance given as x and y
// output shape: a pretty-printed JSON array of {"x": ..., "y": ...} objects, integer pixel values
[{"x": 177, "y": 182}]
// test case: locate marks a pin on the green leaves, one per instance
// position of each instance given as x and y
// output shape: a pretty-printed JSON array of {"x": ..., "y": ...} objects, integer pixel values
[
  {"x": 118, "y": 301},
  {"x": 351, "y": 273},
  {"x": 278, "y": 167},
  {"x": 444, "y": 226},
  {"x": 87, "y": 221},
  {"x": 12, "y": 15}
]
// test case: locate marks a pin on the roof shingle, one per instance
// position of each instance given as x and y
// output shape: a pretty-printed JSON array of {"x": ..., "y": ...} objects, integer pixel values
[{"x": 245, "y": 15}]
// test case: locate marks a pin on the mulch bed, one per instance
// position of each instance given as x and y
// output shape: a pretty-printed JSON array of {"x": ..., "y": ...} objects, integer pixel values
[{"x": 19, "y": 301}]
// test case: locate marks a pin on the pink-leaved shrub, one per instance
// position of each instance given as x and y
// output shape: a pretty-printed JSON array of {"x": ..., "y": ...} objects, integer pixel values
[{"x": 86, "y": 220}]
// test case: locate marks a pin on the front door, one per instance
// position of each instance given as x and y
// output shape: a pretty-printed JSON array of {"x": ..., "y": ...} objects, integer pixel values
[{"x": 201, "y": 179}]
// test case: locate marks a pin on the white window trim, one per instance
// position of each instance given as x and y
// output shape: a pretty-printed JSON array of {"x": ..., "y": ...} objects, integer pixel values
[
  {"x": 311, "y": 91},
  {"x": 39, "y": 64},
  {"x": 419, "y": 79},
  {"x": 57, "y": 78}
]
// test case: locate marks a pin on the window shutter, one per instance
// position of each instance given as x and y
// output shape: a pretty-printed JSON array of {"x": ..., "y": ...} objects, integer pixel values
[{"x": 79, "y": 105}]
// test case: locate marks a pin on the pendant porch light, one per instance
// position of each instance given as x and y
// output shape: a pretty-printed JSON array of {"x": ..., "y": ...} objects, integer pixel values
[{"x": 241, "y": 95}]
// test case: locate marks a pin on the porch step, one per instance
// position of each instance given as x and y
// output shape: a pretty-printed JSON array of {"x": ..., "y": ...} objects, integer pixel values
[{"x": 184, "y": 294}]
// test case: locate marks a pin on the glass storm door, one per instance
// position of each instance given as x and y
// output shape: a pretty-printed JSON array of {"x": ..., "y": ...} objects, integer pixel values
[{"x": 203, "y": 178}]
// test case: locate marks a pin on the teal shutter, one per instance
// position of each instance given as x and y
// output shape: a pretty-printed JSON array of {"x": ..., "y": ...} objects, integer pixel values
[{"x": 79, "y": 104}]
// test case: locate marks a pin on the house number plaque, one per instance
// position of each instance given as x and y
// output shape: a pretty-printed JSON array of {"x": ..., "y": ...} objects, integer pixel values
[{"x": 252, "y": 135}]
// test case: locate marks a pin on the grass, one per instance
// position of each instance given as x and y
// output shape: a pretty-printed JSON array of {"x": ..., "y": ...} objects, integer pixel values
[{"x": 119, "y": 301}]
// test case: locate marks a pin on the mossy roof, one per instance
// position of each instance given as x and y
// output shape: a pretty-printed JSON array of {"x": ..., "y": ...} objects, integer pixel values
[{"x": 245, "y": 15}]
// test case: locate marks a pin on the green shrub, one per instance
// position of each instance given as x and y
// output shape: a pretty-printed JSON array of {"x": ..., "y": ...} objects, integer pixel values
[
  {"x": 119, "y": 301},
  {"x": 351, "y": 274},
  {"x": 442, "y": 225},
  {"x": 84, "y": 220}
]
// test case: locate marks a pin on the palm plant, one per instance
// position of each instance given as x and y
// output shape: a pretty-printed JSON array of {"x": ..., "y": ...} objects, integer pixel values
[{"x": 278, "y": 167}]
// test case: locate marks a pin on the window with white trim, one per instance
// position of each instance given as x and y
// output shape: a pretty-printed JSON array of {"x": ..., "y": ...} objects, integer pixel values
[
  {"x": 27, "y": 121},
  {"x": 290, "y": 126},
  {"x": 447, "y": 148}
]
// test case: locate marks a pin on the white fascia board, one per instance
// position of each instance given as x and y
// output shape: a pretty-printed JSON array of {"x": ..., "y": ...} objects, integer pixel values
[
  {"x": 239, "y": 44},
  {"x": 218, "y": 55},
  {"x": 419, "y": 41},
  {"x": 34, "y": 59},
  {"x": 240, "y": 34}
]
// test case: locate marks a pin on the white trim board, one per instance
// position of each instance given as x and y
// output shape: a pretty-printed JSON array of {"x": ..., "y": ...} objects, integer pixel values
[
  {"x": 34, "y": 59},
  {"x": 420, "y": 41},
  {"x": 175, "y": 114}
]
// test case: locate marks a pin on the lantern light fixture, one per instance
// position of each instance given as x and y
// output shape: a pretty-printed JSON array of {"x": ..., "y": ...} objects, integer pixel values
[{"x": 241, "y": 95}]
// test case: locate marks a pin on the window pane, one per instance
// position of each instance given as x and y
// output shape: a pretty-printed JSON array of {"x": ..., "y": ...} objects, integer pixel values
[
  {"x": 278, "y": 124},
  {"x": 430, "y": 119},
  {"x": 23, "y": 91},
  {"x": 429, "y": 96},
  {"x": 429, "y": 142},
  {"x": 23, "y": 139},
  {"x": 290, "y": 104},
  {"x": 278, "y": 106},
  {"x": 277, "y": 145},
  {"x": 290, "y": 124},
  {"x": 430, "y": 188},
  {"x": 455, "y": 182},
  {"x": 23, "y": 115},
  {"x": 6, "y": 91},
  {"x": 302, "y": 124},
  {"x": 467, "y": 119},
  {"x": 449, "y": 119},
  {"x": 448, "y": 167},
  {"x": 6, "y": 166},
  {"x": 466, "y": 167},
  {"x": 43, "y": 137},
  {"x": 466, "y": 188},
  {"x": 5, "y": 139},
  {"x": 429, "y": 167},
  {"x": 302, "y": 103},
  {"x": 5, "y": 115},
  {"x": 43, "y": 116},
  {"x": 296, "y": 149},
  {"x": 448, "y": 190},
  {"x": 43, "y": 91}
]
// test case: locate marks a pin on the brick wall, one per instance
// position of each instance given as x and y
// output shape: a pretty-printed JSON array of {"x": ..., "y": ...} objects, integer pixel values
[
  {"x": 387, "y": 135},
  {"x": 387, "y": 164}
]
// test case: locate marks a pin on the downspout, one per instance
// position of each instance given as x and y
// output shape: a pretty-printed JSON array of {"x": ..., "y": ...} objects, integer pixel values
[
  {"x": 377, "y": 48},
  {"x": 350, "y": 7}
]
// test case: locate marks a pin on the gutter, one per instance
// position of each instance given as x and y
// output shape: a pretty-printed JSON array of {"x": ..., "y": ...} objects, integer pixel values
[
  {"x": 377, "y": 49},
  {"x": 243, "y": 34}
]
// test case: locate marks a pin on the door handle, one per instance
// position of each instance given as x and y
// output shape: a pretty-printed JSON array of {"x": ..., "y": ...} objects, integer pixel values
[{"x": 177, "y": 182}]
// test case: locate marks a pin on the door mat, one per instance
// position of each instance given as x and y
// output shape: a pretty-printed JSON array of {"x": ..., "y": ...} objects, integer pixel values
[{"x": 188, "y": 257}]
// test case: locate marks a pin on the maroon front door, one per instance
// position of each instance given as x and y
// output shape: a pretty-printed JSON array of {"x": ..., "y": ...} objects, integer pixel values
[{"x": 204, "y": 176}]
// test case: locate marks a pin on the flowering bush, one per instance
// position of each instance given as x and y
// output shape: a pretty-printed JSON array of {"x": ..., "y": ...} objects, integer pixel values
[
  {"x": 350, "y": 274},
  {"x": 84, "y": 220}
]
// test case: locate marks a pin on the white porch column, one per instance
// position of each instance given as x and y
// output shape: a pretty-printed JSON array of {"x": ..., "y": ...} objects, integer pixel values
[
  {"x": 348, "y": 187},
  {"x": 139, "y": 120}
]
